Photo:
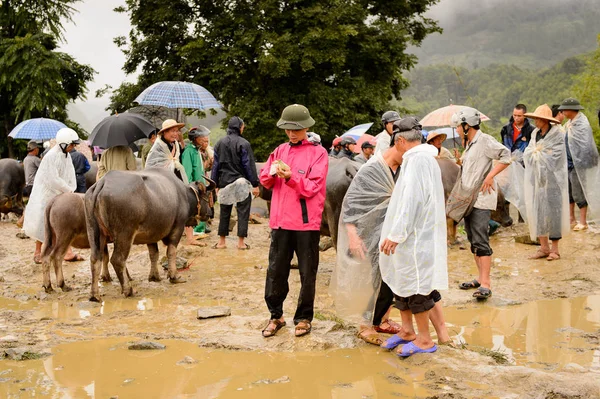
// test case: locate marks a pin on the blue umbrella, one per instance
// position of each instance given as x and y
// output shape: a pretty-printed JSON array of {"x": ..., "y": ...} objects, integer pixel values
[
  {"x": 37, "y": 129},
  {"x": 178, "y": 95},
  {"x": 358, "y": 130}
]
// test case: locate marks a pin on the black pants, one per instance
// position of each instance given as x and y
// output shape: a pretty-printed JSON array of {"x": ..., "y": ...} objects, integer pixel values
[
  {"x": 477, "y": 224},
  {"x": 283, "y": 245},
  {"x": 243, "y": 213},
  {"x": 418, "y": 303},
  {"x": 385, "y": 299}
]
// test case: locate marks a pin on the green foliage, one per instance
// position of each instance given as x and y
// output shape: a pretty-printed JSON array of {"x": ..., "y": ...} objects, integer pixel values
[
  {"x": 36, "y": 80},
  {"x": 587, "y": 90},
  {"x": 527, "y": 33},
  {"x": 342, "y": 59},
  {"x": 494, "y": 89}
]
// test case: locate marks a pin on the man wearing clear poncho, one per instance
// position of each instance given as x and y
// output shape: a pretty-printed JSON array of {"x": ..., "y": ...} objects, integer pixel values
[
  {"x": 359, "y": 292},
  {"x": 546, "y": 184},
  {"x": 582, "y": 159}
]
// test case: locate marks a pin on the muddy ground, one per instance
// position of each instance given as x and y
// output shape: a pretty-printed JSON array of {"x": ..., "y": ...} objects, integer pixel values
[{"x": 537, "y": 337}]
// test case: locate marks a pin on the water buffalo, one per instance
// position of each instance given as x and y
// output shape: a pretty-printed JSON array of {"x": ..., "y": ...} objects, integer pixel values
[
  {"x": 12, "y": 182},
  {"x": 90, "y": 175},
  {"x": 141, "y": 208},
  {"x": 65, "y": 226}
]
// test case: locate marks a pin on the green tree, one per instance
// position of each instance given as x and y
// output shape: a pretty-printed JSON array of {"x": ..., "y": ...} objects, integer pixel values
[
  {"x": 587, "y": 90},
  {"x": 343, "y": 59},
  {"x": 36, "y": 80}
]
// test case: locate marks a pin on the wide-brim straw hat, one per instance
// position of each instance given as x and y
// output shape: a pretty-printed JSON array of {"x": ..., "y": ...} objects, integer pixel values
[
  {"x": 433, "y": 135},
  {"x": 542, "y": 112},
  {"x": 170, "y": 123}
]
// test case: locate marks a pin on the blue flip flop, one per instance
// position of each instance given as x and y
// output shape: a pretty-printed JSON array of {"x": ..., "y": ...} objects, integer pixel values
[
  {"x": 410, "y": 349},
  {"x": 393, "y": 342}
]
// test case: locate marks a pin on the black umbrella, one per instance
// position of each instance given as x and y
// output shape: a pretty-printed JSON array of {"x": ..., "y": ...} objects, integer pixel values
[{"x": 120, "y": 129}]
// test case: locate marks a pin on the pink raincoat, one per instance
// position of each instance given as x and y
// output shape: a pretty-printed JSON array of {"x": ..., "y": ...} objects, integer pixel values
[{"x": 297, "y": 204}]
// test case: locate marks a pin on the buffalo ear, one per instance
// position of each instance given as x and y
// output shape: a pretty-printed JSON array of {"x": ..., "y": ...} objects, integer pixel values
[{"x": 211, "y": 184}]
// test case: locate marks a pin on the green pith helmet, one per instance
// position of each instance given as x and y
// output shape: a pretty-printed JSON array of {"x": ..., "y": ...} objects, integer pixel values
[
  {"x": 295, "y": 117},
  {"x": 570, "y": 104}
]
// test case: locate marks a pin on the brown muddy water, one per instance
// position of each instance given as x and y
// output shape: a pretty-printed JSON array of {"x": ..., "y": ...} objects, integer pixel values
[{"x": 537, "y": 337}]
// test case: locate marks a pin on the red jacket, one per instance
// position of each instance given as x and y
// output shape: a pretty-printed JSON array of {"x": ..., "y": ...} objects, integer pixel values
[{"x": 297, "y": 204}]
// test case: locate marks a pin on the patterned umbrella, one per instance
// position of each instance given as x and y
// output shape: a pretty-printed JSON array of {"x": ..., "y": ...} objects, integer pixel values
[
  {"x": 157, "y": 115},
  {"x": 37, "y": 129},
  {"x": 358, "y": 130},
  {"x": 178, "y": 95},
  {"x": 443, "y": 116}
]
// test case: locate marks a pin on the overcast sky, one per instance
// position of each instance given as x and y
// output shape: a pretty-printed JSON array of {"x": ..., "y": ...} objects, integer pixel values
[{"x": 90, "y": 40}]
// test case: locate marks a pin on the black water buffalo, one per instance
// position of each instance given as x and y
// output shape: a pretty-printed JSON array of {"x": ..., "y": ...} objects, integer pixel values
[
  {"x": 141, "y": 208},
  {"x": 12, "y": 182}
]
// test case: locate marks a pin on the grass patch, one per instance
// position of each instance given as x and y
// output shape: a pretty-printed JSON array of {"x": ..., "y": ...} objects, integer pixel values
[
  {"x": 331, "y": 317},
  {"x": 499, "y": 356},
  {"x": 579, "y": 278}
]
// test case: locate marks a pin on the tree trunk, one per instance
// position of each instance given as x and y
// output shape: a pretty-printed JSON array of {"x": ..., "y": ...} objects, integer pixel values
[{"x": 9, "y": 146}]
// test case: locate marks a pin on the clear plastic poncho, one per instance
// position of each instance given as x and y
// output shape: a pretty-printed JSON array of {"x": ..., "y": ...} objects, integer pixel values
[
  {"x": 416, "y": 220},
  {"x": 546, "y": 185},
  {"x": 160, "y": 156},
  {"x": 585, "y": 159},
  {"x": 56, "y": 175},
  {"x": 235, "y": 192},
  {"x": 511, "y": 181},
  {"x": 356, "y": 280}
]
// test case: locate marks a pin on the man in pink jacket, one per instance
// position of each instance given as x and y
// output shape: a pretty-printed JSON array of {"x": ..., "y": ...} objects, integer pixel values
[{"x": 296, "y": 171}]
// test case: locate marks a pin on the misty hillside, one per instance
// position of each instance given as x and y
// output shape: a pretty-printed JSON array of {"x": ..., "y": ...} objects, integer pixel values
[{"x": 528, "y": 33}]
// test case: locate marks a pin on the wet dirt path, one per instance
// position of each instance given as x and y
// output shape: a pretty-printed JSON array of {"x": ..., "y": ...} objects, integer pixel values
[{"x": 544, "y": 320}]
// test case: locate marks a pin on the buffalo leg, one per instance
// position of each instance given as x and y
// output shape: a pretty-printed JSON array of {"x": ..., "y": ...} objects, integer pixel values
[
  {"x": 96, "y": 254},
  {"x": 172, "y": 256},
  {"x": 153, "y": 253},
  {"x": 451, "y": 228},
  {"x": 47, "y": 258},
  {"x": 105, "y": 273},
  {"x": 119, "y": 261}
]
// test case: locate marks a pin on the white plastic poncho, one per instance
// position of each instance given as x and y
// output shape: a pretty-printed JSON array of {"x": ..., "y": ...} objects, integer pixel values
[
  {"x": 547, "y": 185},
  {"x": 160, "y": 156},
  {"x": 511, "y": 181},
  {"x": 416, "y": 220},
  {"x": 56, "y": 175},
  {"x": 235, "y": 192},
  {"x": 355, "y": 282},
  {"x": 584, "y": 154}
]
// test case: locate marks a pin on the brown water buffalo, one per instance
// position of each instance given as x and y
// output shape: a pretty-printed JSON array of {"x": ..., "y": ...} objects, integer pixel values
[
  {"x": 90, "y": 175},
  {"x": 12, "y": 182},
  {"x": 141, "y": 208},
  {"x": 65, "y": 226}
]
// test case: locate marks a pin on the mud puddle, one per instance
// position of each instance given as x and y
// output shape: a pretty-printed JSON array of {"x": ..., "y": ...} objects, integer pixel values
[
  {"x": 106, "y": 368},
  {"x": 547, "y": 334}
]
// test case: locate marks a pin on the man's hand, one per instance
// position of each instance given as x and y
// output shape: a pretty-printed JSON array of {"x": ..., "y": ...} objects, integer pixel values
[
  {"x": 356, "y": 247},
  {"x": 255, "y": 192},
  {"x": 388, "y": 246},
  {"x": 285, "y": 174},
  {"x": 488, "y": 185}
]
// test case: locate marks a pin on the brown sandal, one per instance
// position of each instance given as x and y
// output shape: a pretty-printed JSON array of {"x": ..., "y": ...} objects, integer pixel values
[
  {"x": 302, "y": 328},
  {"x": 371, "y": 338},
  {"x": 270, "y": 332},
  {"x": 392, "y": 328},
  {"x": 553, "y": 256},
  {"x": 539, "y": 255}
]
